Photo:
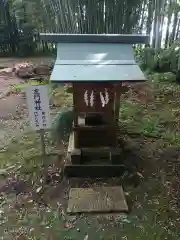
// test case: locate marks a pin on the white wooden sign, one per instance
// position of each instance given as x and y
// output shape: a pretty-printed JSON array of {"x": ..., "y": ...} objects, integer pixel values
[{"x": 38, "y": 106}]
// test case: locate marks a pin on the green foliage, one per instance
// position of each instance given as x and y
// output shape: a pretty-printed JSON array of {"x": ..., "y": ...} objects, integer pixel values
[
  {"x": 108, "y": 16},
  {"x": 62, "y": 125},
  {"x": 21, "y": 87},
  {"x": 164, "y": 61},
  {"x": 151, "y": 127},
  {"x": 135, "y": 119},
  {"x": 27, "y": 44},
  {"x": 168, "y": 59},
  {"x": 164, "y": 77},
  {"x": 146, "y": 57},
  {"x": 68, "y": 88}
]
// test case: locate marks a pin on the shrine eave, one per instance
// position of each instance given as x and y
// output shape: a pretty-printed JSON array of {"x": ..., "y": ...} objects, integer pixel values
[
  {"x": 95, "y": 38},
  {"x": 97, "y": 73},
  {"x": 96, "y": 58}
]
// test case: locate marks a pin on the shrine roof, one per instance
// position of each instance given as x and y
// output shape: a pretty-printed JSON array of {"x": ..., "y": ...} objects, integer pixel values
[{"x": 95, "y": 58}]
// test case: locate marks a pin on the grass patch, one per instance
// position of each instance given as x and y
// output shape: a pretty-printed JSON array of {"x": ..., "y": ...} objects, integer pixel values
[
  {"x": 151, "y": 217},
  {"x": 136, "y": 118},
  {"x": 159, "y": 119},
  {"x": 20, "y": 88}
]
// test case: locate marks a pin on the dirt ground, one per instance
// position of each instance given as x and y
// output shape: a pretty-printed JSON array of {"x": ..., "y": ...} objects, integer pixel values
[
  {"x": 151, "y": 186},
  {"x": 9, "y": 62},
  {"x": 9, "y": 104}
]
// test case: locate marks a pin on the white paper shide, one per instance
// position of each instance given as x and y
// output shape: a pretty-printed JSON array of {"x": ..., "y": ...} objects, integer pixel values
[
  {"x": 89, "y": 100},
  {"x": 104, "y": 99},
  {"x": 38, "y": 106}
]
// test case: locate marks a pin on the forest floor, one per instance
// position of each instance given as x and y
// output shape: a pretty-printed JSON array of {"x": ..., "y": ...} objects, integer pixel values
[{"x": 149, "y": 127}]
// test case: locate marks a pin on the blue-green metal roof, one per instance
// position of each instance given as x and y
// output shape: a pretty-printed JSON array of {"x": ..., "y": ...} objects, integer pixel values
[
  {"x": 95, "y": 61},
  {"x": 96, "y": 73}
]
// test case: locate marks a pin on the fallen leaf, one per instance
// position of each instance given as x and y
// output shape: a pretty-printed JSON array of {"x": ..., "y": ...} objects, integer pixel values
[
  {"x": 3, "y": 172},
  {"x": 69, "y": 225},
  {"x": 140, "y": 175},
  {"x": 1, "y": 211},
  {"x": 86, "y": 237},
  {"x": 124, "y": 219},
  {"x": 39, "y": 189}
]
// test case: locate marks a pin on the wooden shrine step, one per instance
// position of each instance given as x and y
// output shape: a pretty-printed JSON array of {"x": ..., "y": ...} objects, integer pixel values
[
  {"x": 97, "y": 154},
  {"x": 93, "y": 170},
  {"x": 89, "y": 150},
  {"x": 97, "y": 200},
  {"x": 93, "y": 162},
  {"x": 92, "y": 127}
]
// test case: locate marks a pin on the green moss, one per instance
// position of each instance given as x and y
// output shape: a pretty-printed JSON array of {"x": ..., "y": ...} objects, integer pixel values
[{"x": 62, "y": 125}]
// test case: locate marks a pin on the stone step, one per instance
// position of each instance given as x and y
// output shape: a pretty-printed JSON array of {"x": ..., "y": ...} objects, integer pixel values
[{"x": 97, "y": 200}]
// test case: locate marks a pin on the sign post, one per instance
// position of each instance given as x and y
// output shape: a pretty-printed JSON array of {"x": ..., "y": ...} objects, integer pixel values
[
  {"x": 39, "y": 111},
  {"x": 43, "y": 143}
]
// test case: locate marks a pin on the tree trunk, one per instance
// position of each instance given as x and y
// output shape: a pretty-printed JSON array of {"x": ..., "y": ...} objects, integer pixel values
[
  {"x": 175, "y": 22},
  {"x": 168, "y": 24},
  {"x": 158, "y": 24},
  {"x": 150, "y": 17},
  {"x": 178, "y": 29}
]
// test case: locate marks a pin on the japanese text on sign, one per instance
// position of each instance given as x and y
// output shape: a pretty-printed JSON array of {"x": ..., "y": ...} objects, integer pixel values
[{"x": 38, "y": 106}]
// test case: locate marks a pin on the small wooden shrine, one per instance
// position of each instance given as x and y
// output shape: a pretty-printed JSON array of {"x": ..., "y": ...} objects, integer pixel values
[{"x": 96, "y": 65}]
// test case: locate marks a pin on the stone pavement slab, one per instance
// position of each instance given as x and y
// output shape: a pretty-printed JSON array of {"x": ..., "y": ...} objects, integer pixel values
[{"x": 97, "y": 200}]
